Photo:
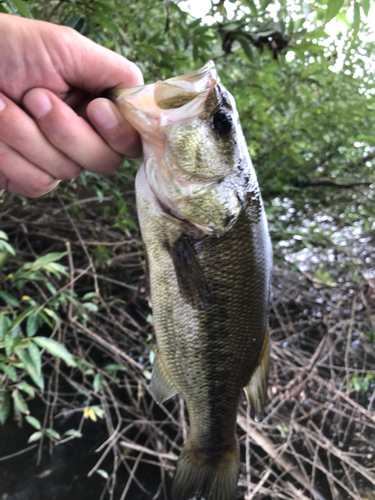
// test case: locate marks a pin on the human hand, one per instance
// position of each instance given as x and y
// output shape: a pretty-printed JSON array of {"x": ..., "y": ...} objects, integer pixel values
[{"x": 54, "y": 73}]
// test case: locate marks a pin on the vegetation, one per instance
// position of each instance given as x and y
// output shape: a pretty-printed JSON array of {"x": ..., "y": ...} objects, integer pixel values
[{"x": 75, "y": 323}]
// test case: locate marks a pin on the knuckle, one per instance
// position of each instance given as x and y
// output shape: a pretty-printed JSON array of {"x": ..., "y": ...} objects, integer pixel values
[
  {"x": 3, "y": 154},
  {"x": 130, "y": 145},
  {"x": 69, "y": 35},
  {"x": 110, "y": 164},
  {"x": 59, "y": 135},
  {"x": 68, "y": 171},
  {"x": 39, "y": 184}
]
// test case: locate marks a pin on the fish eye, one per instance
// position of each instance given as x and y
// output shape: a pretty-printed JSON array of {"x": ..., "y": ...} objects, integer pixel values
[{"x": 222, "y": 122}]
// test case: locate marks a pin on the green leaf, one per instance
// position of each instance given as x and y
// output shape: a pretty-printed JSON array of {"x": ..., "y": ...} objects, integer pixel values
[
  {"x": 333, "y": 9},
  {"x": 152, "y": 356},
  {"x": 113, "y": 368},
  {"x": 102, "y": 473},
  {"x": 291, "y": 27},
  {"x": 73, "y": 432},
  {"x": 98, "y": 382},
  {"x": 51, "y": 314},
  {"x": 6, "y": 247},
  {"x": 53, "y": 434},
  {"x": 356, "y": 20},
  {"x": 3, "y": 258},
  {"x": 89, "y": 295},
  {"x": 25, "y": 387},
  {"x": 9, "y": 298},
  {"x": 5, "y": 323},
  {"x": 34, "y": 321},
  {"x": 355, "y": 382},
  {"x": 106, "y": 23},
  {"x": 91, "y": 306},
  {"x": 30, "y": 367},
  {"x": 253, "y": 8},
  {"x": 4, "y": 406},
  {"x": 49, "y": 257},
  {"x": 50, "y": 287},
  {"x": 46, "y": 319},
  {"x": 35, "y": 437},
  {"x": 341, "y": 16},
  {"x": 9, "y": 370},
  {"x": 23, "y": 315},
  {"x": 73, "y": 21},
  {"x": 131, "y": 223},
  {"x": 98, "y": 411},
  {"x": 56, "y": 349},
  {"x": 35, "y": 356},
  {"x": 54, "y": 268},
  {"x": 11, "y": 343},
  {"x": 19, "y": 402},
  {"x": 3, "y": 236},
  {"x": 34, "y": 422},
  {"x": 246, "y": 46},
  {"x": 21, "y": 7},
  {"x": 194, "y": 24},
  {"x": 366, "y": 6}
]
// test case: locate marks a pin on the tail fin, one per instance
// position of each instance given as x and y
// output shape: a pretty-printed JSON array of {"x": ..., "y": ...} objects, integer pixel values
[{"x": 206, "y": 478}]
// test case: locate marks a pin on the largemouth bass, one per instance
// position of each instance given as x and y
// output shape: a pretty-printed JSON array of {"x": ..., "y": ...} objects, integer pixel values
[{"x": 209, "y": 257}]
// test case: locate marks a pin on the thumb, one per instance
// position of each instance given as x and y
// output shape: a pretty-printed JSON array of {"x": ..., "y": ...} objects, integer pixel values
[{"x": 94, "y": 68}]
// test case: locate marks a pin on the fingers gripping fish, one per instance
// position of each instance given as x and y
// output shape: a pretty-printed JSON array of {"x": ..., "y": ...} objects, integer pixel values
[{"x": 209, "y": 255}]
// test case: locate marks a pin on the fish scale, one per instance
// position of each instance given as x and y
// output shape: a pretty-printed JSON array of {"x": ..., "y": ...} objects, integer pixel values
[{"x": 209, "y": 259}]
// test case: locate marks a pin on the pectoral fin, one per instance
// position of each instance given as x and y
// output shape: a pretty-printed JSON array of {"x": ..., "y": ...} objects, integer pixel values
[
  {"x": 256, "y": 389},
  {"x": 161, "y": 385},
  {"x": 191, "y": 280}
]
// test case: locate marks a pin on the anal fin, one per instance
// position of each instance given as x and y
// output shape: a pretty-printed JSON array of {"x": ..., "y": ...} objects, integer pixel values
[
  {"x": 161, "y": 385},
  {"x": 256, "y": 389}
]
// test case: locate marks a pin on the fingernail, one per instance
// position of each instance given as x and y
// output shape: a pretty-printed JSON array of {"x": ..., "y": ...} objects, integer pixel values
[
  {"x": 2, "y": 104},
  {"x": 104, "y": 115},
  {"x": 38, "y": 103}
]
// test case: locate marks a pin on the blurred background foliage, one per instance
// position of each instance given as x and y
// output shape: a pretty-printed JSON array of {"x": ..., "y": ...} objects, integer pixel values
[
  {"x": 303, "y": 76},
  {"x": 302, "y": 73}
]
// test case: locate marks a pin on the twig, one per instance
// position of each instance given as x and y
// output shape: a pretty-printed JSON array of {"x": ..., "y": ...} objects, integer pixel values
[
  {"x": 17, "y": 453},
  {"x": 134, "y": 446},
  {"x": 267, "y": 445},
  {"x": 115, "y": 350}
]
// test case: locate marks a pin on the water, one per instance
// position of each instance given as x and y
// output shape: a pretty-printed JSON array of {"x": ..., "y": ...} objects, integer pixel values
[
  {"x": 62, "y": 475},
  {"x": 316, "y": 240}
]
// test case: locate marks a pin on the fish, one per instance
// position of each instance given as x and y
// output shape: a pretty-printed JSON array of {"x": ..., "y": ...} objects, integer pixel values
[{"x": 209, "y": 260}]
